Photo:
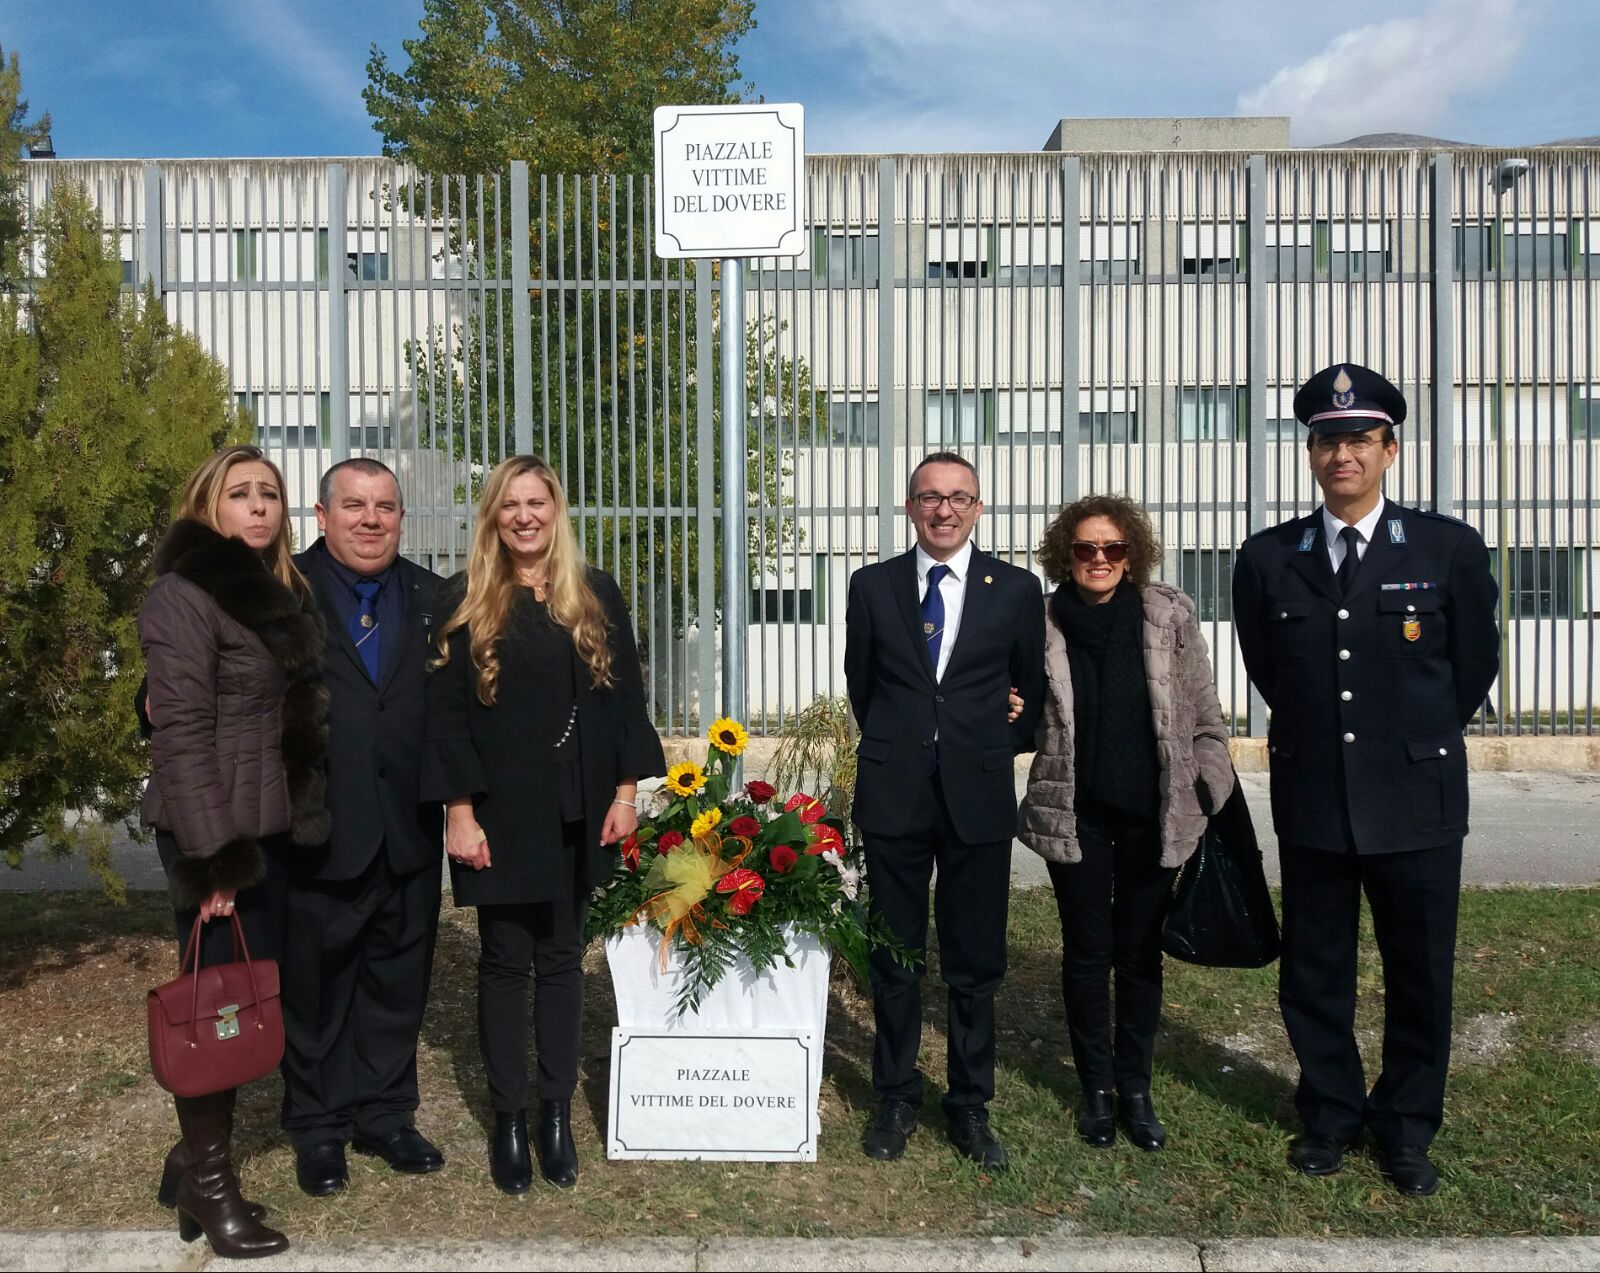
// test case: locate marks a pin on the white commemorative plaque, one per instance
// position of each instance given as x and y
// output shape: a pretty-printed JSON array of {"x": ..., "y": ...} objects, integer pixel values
[
  {"x": 730, "y": 180},
  {"x": 719, "y": 1095}
]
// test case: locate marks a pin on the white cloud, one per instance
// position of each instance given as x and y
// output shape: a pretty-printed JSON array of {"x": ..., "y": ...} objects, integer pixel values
[{"x": 1395, "y": 76}]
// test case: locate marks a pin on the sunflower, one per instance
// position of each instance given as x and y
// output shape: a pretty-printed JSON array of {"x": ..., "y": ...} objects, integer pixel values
[
  {"x": 729, "y": 735},
  {"x": 685, "y": 779},
  {"x": 703, "y": 824}
]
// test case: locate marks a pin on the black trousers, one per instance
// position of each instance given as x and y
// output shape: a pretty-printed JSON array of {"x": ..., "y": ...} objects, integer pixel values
[
  {"x": 355, "y": 984},
  {"x": 970, "y": 903},
  {"x": 262, "y": 908},
  {"x": 545, "y": 938},
  {"x": 1414, "y": 899},
  {"x": 1111, "y": 906}
]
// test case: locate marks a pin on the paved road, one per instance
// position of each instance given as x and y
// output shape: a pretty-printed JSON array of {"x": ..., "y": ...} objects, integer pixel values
[{"x": 1528, "y": 828}]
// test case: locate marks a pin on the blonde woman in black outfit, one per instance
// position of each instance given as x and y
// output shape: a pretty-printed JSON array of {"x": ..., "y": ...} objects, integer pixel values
[{"x": 537, "y": 737}]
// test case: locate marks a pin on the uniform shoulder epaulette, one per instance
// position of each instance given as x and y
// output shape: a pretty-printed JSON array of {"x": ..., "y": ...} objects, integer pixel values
[{"x": 1442, "y": 517}]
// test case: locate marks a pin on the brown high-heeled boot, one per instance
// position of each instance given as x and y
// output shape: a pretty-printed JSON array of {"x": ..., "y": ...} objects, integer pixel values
[
  {"x": 207, "y": 1196},
  {"x": 178, "y": 1162}
]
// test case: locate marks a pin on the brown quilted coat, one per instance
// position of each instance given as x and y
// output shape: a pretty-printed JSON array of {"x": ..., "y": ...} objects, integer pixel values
[{"x": 1191, "y": 738}]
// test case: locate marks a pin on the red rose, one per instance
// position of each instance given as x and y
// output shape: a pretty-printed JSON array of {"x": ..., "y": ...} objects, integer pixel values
[
  {"x": 782, "y": 858},
  {"x": 811, "y": 809},
  {"x": 745, "y": 888},
  {"x": 747, "y": 827},
  {"x": 669, "y": 840},
  {"x": 630, "y": 852},
  {"x": 825, "y": 837},
  {"x": 759, "y": 791}
]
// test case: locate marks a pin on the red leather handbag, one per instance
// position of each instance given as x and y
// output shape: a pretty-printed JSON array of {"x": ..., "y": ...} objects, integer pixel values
[{"x": 215, "y": 1028}]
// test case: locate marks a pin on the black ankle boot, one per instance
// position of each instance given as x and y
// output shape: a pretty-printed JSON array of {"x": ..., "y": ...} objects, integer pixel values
[
  {"x": 1139, "y": 1121},
  {"x": 558, "y": 1157},
  {"x": 509, "y": 1162},
  {"x": 1096, "y": 1123}
]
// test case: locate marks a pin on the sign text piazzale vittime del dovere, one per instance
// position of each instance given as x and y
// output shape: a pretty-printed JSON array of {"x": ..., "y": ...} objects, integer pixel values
[{"x": 730, "y": 180}]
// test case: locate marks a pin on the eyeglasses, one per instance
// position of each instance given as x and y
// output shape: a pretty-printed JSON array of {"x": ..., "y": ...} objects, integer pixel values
[
  {"x": 961, "y": 501},
  {"x": 1358, "y": 445},
  {"x": 1115, "y": 551}
]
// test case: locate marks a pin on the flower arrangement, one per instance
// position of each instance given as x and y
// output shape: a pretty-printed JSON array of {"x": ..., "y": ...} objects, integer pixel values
[{"x": 721, "y": 870}]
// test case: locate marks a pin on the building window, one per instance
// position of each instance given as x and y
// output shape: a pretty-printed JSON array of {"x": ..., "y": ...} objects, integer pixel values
[
  {"x": 960, "y": 417},
  {"x": 247, "y": 256},
  {"x": 1522, "y": 249},
  {"x": 1214, "y": 248},
  {"x": 287, "y": 421},
  {"x": 367, "y": 267},
  {"x": 853, "y": 420},
  {"x": 839, "y": 258},
  {"x": 961, "y": 251},
  {"x": 1213, "y": 413},
  {"x": 1206, "y": 574},
  {"x": 1545, "y": 582},
  {"x": 1106, "y": 425},
  {"x": 795, "y": 604},
  {"x": 1585, "y": 412}
]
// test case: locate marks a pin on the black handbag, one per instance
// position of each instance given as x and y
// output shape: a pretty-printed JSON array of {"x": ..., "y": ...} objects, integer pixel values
[{"x": 1221, "y": 914}]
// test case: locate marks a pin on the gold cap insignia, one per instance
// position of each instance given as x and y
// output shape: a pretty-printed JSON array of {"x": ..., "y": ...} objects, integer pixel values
[{"x": 1343, "y": 397}]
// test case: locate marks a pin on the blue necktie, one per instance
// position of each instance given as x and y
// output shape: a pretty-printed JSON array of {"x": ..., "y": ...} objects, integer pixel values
[
  {"x": 933, "y": 614},
  {"x": 364, "y": 626}
]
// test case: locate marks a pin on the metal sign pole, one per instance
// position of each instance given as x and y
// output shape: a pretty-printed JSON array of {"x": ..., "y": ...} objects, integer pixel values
[{"x": 735, "y": 583}]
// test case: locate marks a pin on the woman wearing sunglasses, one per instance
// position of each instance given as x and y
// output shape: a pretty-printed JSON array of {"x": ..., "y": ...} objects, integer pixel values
[{"x": 1132, "y": 756}]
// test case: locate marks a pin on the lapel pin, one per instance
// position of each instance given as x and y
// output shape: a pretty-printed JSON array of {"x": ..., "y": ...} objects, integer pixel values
[{"x": 988, "y": 579}]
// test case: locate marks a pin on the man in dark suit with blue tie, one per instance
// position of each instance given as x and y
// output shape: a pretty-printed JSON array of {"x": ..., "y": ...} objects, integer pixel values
[
  {"x": 1369, "y": 629},
  {"x": 934, "y": 640},
  {"x": 364, "y": 912}
]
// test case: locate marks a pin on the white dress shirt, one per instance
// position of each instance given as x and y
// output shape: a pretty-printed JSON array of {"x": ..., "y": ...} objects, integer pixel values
[
  {"x": 953, "y": 588},
  {"x": 1331, "y": 526}
]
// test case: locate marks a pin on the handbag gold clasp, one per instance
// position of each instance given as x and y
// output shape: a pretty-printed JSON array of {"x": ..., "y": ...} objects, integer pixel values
[{"x": 228, "y": 1022}]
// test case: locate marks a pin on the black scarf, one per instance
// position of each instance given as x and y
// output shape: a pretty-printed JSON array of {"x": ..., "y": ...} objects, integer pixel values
[{"x": 1114, "y": 739}]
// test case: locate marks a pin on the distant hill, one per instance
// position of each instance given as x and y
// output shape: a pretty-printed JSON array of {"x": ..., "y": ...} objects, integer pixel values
[{"x": 1416, "y": 141}]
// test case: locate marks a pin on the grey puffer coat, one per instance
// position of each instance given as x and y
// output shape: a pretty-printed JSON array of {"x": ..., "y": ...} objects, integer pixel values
[{"x": 1191, "y": 738}]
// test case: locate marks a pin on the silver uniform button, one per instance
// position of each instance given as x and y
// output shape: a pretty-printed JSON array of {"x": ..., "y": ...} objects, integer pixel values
[
  {"x": 1444, "y": 751},
  {"x": 1347, "y": 696},
  {"x": 1344, "y": 654},
  {"x": 1283, "y": 614},
  {"x": 1344, "y": 614},
  {"x": 1411, "y": 609},
  {"x": 1349, "y": 738}
]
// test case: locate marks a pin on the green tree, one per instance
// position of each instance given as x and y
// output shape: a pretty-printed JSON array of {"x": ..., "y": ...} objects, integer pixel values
[
  {"x": 104, "y": 409},
  {"x": 16, "y": 131},
  {"x": 569, "y": 85}
]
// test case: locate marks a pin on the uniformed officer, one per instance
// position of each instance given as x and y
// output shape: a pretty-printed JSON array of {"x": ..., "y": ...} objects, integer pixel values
[{"x": 1369, "y": 629}]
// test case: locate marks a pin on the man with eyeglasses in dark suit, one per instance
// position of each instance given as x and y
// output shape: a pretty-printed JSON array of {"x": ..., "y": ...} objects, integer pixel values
[{"x": 935, "y": 638}]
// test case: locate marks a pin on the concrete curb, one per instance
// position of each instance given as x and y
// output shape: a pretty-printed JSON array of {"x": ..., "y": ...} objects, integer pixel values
[
  {"x": 1549, "y": 753},
  {"x": 138, "y": 1250}
]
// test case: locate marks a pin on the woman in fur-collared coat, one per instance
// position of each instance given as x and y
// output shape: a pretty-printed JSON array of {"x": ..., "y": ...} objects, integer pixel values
[
  {"x": 1132, "y": 756},
  {"x": 232, "y": 647}
]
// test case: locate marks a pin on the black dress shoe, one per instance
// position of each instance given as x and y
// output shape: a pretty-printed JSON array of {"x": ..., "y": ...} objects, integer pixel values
[
  {"x": 891, "y": 1126},
  {"x": 1096, "y": 1123},
  {"x": 1410, "y": 1171},
  {"x": 509, "y": 1161},
  {"x": 558, "y": 1156},
  {"x": 1317, "y": 1155},
  {"x": 321, "y": 1169},
  {"x": 403, "y": 1148},
  {"x": 969, "y": 1132},
  {"x": 1139, "y": 1123}
]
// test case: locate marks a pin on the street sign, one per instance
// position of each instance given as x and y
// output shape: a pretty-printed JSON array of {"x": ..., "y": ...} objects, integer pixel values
[{"x": 730, "y": 180}]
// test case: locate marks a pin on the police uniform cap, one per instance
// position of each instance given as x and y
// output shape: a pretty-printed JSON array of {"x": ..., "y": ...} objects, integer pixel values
[{"x": 1348, "y": 398}]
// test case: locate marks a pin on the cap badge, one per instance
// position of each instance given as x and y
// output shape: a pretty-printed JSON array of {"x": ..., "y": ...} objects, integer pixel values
[{"x": 1343, "y": 391}]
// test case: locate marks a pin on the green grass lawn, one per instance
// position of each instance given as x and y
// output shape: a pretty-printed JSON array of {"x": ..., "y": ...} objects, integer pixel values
[{"x": 82, "y": 1127}]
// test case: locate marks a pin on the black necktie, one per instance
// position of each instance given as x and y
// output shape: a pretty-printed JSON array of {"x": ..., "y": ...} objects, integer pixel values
[{"x": 1352, "y": 558}]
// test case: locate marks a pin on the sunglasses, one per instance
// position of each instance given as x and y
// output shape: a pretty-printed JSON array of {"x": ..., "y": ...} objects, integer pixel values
[{"x": 1115, "y": 551}]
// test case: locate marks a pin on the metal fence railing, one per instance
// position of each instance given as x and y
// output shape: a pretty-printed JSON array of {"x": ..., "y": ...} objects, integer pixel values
[{"x": 1130, "y": 322}]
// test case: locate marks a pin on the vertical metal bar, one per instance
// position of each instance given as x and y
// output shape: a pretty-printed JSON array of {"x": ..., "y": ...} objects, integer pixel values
[
  {"x": 521, "y": 318},
  {"x": 151, "y": 240},
  {"x": 338, "y": 314},
  {"x": 705, "y": 489},
  {"x": 1255, "y": 377},
  {"x": 1071, "y": 181},
  {"x": 1441, "y": 351},
  {"x": 887, "y": 232}
]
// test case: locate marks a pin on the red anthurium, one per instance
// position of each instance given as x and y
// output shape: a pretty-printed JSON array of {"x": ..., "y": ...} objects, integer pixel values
[
  {"x": 782, "y": 858},
  {"x": 747, "y": 827},
  {"x": 669, "y": 840},
  {"x": 811, "y": 809},
  {"x": 630, "y": 852},
  {"x": 759, "y": 791},
  {"x": 745, "y": 887},
  {"x": 823, "y": 838}
]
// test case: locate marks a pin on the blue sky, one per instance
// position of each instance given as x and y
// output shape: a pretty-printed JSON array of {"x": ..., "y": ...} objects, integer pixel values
[{"x": 284, "y": 77}]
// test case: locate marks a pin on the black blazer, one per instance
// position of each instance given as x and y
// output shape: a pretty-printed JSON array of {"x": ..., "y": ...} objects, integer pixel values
[
  {"x": 487, "y": 753},
  {"x": 1369, "y": 739},
  {"x": 900, "y": 707},
  {"x": 375, "y": 734}
]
